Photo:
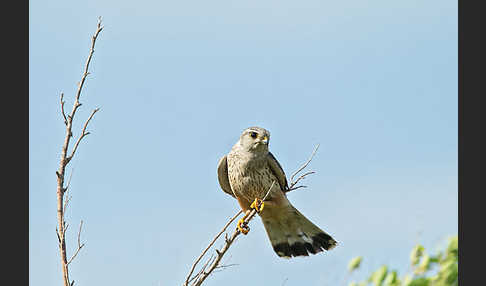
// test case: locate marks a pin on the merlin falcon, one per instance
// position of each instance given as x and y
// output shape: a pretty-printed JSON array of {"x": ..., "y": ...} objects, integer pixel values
[{"x": 247, "y": 173}]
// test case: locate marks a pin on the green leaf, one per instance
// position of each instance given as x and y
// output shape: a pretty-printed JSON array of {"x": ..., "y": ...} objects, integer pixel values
[
  {"x": 379, "y": 275},
  {"x": 416, "y": 253},
  {"x": 440, "y": 269},
  {"x": 452, "y": 248},
  {"x": 391, "y": 279},
  {"x": 434, "y": 259},
  {"x": 453, "y": 243},
  {"x": 354, "y": 263},
  {"x": 448, "y": 273},
  {"x": 424, "y": 265},
  {"x": 407, "y": 280},
  {"x": 420, "y": 282}
]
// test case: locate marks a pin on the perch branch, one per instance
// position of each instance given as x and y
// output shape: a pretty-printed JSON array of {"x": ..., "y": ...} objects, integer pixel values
[
  {"x": 202, "y": 275},
  {"x": 209, "y": 246}
]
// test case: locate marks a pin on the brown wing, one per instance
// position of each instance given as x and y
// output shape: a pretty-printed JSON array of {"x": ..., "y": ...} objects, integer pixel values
[
  {"x": 278, "y": 172},
  {"x": 223, "y": 176}
]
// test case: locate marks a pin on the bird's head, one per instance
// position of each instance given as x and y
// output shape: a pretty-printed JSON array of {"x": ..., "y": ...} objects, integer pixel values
[{"x": 255, "y": 139}]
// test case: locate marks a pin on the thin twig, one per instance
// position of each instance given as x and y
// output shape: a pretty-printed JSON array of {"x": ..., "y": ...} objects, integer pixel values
[
  {"x": 305, "y": 164},
  {"x": 220, "y": 253},
  {"x": 79, "y": 244},
  {"x": 62, "y": 109},
  {"x": 209, "y": 246},
  {"x": 268, "y": 192},
  {"x": 66, "y": 190},
  {"x": 58, "y": 237},
  {"x": 66, "y": 203},
  {"x": 222, "y": 267},
  {"x": 69, "y": 180},
  {"x": 66, "y": 225},
  {"x": 83, "y": 133},
  {"x": 88, "y": 61},
  {"x": 293, "y": 183},
  {"x": 202, "y": 269}
]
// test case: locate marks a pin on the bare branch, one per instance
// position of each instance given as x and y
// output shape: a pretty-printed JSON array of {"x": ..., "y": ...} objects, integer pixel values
[
  {"x": 66, "y": 190},
  {"x": 62, "y": 109},
  {"x": 83, "y": 133},
  {"x": 305, "y": 164},
  {"x": 79, "y": 244},
  {"x": 69, "y": 181},
  {"x": 203, "y": 268},
  {"x": 226, "y": 265},
  {"x": 293, "y": 183},
  {"x": 58, "y": 237},
  {"x": 86, "y": 67},
  {"x": 209, "y": 246},
  {"x": 268, "y": 192},
  {"x": 222, "y": 251},
  {"x": 60, "y": 173},
  {"x": 228, "y": 241},
  {"x": 65, "y": 229},
  {"x": 66, "y": 203},
  {"x": 295, "y": 188}
]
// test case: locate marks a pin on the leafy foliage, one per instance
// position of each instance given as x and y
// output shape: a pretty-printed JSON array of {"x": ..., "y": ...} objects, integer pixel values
[
  {"x": 426, "y": 270},
  {"x": 354, "y": 263}
]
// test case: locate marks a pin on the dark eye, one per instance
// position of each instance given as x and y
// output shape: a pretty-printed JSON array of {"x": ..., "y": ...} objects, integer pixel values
[{"x": 253, "y": 135}]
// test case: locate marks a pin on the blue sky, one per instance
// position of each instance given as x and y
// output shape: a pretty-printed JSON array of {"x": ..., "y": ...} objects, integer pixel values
[{"x": 373, "y": 82}]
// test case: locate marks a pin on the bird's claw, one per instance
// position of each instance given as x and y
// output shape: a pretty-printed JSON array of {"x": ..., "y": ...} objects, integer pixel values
[
  {"x": 243, "y": 226},
  {"x": 257, "y": 205}
]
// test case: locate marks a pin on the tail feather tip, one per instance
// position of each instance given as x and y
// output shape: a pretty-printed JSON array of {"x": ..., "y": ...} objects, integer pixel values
[{"x": 320, "y": 242}]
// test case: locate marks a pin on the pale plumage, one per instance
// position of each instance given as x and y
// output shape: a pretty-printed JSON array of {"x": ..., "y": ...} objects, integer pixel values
[{"x": 247, "y": 172}]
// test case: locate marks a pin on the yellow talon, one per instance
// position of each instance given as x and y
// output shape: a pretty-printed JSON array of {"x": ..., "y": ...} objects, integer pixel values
[
  {"x": 257, "y": 205},
  {"x": 242, "y": 224},
  {"x": 242, "y": 227},
  {"x": 261, "y": 207}
]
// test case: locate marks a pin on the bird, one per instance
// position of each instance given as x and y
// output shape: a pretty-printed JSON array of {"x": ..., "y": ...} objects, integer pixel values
[{"x": 250, "y": 173}]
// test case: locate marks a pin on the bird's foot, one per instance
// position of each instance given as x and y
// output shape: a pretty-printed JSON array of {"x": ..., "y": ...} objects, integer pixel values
[
  {"x": 243, "y": 226},
  {"x": 257, "y": 205}
]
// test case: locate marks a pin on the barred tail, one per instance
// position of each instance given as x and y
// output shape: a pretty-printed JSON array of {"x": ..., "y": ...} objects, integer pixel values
[{"x": 292, "y": 234}]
